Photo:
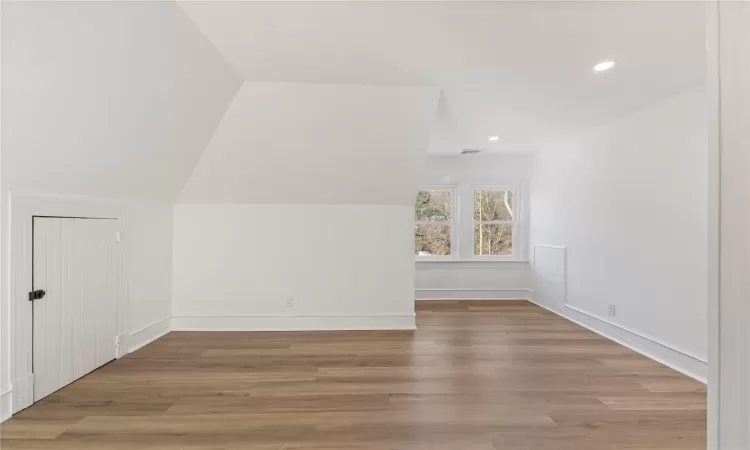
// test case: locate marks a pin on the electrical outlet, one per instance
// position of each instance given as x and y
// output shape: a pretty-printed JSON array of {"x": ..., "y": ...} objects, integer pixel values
[
  {"x": 612, "y": 310},
  {"x": 290, "y": 302}
]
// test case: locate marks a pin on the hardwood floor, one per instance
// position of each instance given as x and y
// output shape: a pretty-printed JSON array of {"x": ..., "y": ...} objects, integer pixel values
[{"x": 475, "y": 376}]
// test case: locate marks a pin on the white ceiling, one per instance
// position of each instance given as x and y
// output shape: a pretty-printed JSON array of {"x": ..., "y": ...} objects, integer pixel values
[{"x": 518, "y": 70}]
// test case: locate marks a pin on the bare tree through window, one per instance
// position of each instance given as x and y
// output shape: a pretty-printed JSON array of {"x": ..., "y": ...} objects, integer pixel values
[
  {"x": 493, "y": 223},
  {"x": 433, "y": 218}
]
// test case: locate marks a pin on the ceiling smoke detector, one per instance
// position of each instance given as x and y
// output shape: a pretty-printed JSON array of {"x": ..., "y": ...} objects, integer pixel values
[{"x": 470, "y": 151}]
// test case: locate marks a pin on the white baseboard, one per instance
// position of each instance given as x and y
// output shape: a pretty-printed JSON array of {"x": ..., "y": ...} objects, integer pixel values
[
  {"x": 122, "y": 345},
  {"x": 23, "y": 393},
  {"x": 682, "y": 362},
  {"x": 470, "y": 294},
  {"x": 147, "y": 335},
  {"x": 638, "y": 333},
  {"x": 6, "y": 403},
  {"x": 295, "y": 323}
]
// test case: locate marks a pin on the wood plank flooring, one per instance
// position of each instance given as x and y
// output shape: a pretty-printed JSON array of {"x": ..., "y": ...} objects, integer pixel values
[{"x": 475, "y": 376}]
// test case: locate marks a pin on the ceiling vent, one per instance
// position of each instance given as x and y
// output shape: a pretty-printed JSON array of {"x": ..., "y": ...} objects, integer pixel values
[{"x": 469, "y": 151}]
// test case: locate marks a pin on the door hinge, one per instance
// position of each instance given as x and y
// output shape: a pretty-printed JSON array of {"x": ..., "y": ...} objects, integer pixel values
[
  {"x": 36, "y": 295},
  {"x": 118, "y": 236},
  {"x": 117, "y": 341}
]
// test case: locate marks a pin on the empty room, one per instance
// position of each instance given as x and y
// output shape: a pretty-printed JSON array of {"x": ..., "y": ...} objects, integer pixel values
[{"x": 374, "y": 225}]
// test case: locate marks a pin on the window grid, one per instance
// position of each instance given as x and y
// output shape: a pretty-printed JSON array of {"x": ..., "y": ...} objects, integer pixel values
[
  {"x": 450, "y": 223},
  {"x": 480, "y": 225},
  {"x": 461, "y": 223}
]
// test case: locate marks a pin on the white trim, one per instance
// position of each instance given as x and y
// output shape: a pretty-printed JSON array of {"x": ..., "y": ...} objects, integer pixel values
[
  {"x": 6, "y": 403},
  {"x": 23, "y": 206},
  {"x": 580, "y": 310},
  {"x": 515, "y": 223},
  {"x": 148, "y": 334},
  {"x": 564, "y": 249},
  {"x": 295, "y": 323},
  {"x": 434, "y": 258},
  {"x": 462, "y": 223},
  {"x": 470, "y": 294},
  {"x": 713, "y": 98},
  {"x": 23, "y": 393},
  {"x": 493, "y": 258},
  {"x": 6, "y": 321},
  {"x": 670, "y": 360},
  {"x": 640, "y": 334},
  {"x": 438, "y": 187},
  {"x": 453, "y": 223},
  {"x": 729, "y": 222},
  {"x": 681, "y": 362},
  {"x": 122, "y": 345},
  {"x": 468, "y": 263},
  {"x": 558, "y": 247}
]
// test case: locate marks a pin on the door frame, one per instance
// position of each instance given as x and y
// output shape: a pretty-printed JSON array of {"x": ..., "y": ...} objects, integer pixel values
[
  {"x": 728, "y": 89},
  {"x": 22, "y": 208},
  {"x": 33, "y": 276},
  {"x": 714, "y": 221}
]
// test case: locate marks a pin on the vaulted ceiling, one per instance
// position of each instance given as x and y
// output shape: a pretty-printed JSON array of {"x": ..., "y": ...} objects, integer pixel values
[
  {"x": 521, "y": 71},
  {"x": 147, "y": 99},
  {"x": 317, "y": 144}
]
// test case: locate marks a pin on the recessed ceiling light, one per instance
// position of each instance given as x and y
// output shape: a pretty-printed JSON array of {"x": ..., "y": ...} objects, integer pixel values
[
  {"x": 493, "y": 138},
  {"x": 604, "y": 66}
]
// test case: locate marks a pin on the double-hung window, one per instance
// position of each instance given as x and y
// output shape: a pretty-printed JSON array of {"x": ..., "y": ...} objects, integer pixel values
[
  {"x": 434, "y": 224},
  {"x": 495, "y": 219},
  {"x": 467, "y": 223}
]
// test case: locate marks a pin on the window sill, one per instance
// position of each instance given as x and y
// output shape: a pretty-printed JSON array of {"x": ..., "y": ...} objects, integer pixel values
[{"x": 471, "y": 261}]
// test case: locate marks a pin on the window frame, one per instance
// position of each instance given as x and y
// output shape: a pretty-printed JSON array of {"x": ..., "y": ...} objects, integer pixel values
[
  {"x": 514, "y": 223},
  {"x": 453, "y": 223}
]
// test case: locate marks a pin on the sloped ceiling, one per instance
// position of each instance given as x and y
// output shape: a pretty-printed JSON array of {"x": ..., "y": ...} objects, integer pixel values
[
  {"x": 108, "y": 99},
  {"x": 297, "y": 143},
  {"x": 519, "y": 70},
  {"x": 120, "y": 99}
]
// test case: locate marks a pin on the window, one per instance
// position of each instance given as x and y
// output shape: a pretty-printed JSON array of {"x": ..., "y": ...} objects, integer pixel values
[
  {"x": 434, "y": 220},
  {"x": 466, "y": 222},
  {"x": 494, "y": 219}
]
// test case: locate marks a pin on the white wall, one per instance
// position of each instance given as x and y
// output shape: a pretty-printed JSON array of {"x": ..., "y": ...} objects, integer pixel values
[
  {"x": 629, "y": 201},
  {"x": 240, "y": 266},
  {"x": 150, "y": 228},
  {"x": 465, "y": 279},
  {"x": 482, "y": 169},
  {"x": 107, "y": 108},
  {"x": 306, "y": 192}
]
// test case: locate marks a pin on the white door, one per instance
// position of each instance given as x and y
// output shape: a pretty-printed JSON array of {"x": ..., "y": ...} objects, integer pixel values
[{"x": 75, "y": 323}]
